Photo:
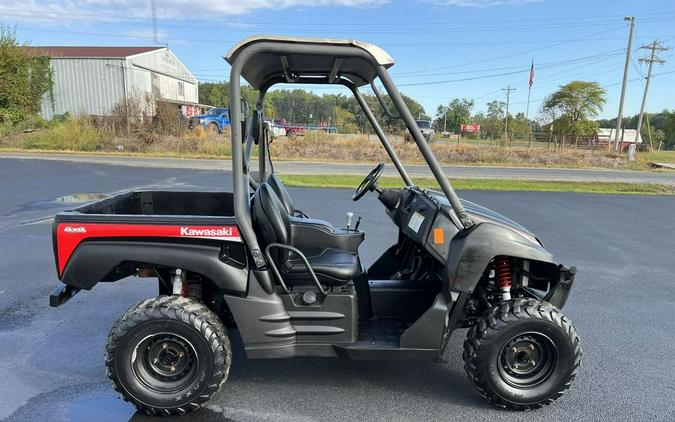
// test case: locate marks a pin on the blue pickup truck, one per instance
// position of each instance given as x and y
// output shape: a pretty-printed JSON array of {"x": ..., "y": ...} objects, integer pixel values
[{"x": 216, "y": 119}]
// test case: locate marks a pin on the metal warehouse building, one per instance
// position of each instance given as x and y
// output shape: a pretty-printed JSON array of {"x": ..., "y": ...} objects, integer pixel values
[{"x": 91, "y": 80}]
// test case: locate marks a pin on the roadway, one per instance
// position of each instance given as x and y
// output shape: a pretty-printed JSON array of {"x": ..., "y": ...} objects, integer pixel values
[
  {"x": 307, "y": 167},
  {"x": 52, "y": 359}
]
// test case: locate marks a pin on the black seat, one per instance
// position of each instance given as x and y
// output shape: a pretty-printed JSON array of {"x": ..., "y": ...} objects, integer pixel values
[
  {"x": 333, "y": 267},
  {"x": 287, "y": 201},
  {"x": 284, "y": 196}
]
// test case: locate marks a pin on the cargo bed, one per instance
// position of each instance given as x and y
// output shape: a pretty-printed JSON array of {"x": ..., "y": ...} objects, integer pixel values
[{"x": 104, "y": 240}]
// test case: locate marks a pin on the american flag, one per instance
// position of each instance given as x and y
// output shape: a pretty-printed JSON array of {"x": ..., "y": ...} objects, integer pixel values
[{"x": 531, "y": 82}]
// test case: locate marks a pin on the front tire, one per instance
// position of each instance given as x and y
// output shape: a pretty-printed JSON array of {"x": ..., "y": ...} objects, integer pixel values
[
  {"x": 213, "y": 127},
  {"x": 168, "y": 355},
  {"x": 522, "y": 354}
]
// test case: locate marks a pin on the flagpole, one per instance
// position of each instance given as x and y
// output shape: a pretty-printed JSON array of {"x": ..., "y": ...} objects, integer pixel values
[{"x": 527, "y": 109}]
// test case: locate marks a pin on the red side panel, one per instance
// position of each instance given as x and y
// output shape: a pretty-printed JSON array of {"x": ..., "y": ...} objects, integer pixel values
[{"x": 70, "y": 235}]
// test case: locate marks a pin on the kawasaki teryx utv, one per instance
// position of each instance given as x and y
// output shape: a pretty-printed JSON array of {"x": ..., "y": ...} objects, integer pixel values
[{"x": 294, "y": 286}]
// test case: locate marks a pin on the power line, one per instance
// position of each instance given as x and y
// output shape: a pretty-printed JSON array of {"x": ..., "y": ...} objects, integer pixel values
[
  {"x": 471, "y": 78},
  {"x": 609, "y": 53},
  {"x": 591, "y": 20},
  {"x": 512, "y": 54},
  {"x": 558, "y": 77},
  {"x": 385, "y": 44}
]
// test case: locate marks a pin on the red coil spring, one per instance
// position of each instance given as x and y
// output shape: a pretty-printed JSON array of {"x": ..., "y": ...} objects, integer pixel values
[{"x": 503, "y": 272}]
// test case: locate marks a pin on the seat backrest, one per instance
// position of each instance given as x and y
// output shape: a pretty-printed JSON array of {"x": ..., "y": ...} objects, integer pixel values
[
  {"x": 257, "y": 127},
  {"x": 270, "y": 219},
  {"x": 282, "y": 193}
]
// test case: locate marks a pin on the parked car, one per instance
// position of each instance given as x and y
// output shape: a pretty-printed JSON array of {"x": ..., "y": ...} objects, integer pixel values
[
  {"x": 275, "y": 129},
  {"x": 216, "y": 119},
  {"x": 427, "y": 130}
]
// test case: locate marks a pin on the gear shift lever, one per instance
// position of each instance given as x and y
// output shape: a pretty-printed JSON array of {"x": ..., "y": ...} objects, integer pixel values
[{"x": 350, "y": 217}]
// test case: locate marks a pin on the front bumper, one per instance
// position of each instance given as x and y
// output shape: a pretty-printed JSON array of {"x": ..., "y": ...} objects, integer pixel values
[{"x": 558, "y": 294}]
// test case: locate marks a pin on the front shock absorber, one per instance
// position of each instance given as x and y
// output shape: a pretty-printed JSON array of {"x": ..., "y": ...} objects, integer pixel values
[{"x": 504, "y": 276}]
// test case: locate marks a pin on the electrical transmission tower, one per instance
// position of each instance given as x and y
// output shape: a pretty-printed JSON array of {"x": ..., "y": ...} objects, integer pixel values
[{"x": 654, "y": 46}]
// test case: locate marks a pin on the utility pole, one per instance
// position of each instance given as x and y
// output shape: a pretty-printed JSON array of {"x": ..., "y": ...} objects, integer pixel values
[
  {"x": 655, "y": 46},
  {"x": 506, "y": 116},
  {"x": 625, "y": 80}
]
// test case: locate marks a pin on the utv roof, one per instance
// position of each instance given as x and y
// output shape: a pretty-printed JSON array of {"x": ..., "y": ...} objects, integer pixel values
[{"x": 308, "y": 60}]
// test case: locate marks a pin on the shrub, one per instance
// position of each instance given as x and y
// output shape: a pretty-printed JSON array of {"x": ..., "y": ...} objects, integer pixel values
[{"x": 75, "y": 134}]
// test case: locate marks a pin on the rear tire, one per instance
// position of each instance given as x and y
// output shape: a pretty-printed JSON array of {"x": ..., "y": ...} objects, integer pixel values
[
  {"x": 213, "y": 126},
  {"x": 522, "y": 354},
  {"x": 168, "y": 355}
]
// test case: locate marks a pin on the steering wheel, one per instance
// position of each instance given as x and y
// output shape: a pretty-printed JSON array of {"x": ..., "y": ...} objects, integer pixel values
[{"x": 368, "y": 184}]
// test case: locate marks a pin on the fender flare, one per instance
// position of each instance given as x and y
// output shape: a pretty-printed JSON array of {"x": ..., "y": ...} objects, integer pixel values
[
  {"x": 471, "y": 251},
  {"x": 94, "y": 261}
]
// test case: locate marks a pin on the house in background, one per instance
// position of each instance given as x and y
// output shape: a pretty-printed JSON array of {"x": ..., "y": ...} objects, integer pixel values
[
  {"x": 92, "y": 80},
  {"x": 626, "y": 137}
]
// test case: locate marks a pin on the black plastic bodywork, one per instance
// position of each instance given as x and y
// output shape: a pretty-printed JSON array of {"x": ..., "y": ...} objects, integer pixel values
[
  {"x": 471, "y": 251},
  {"x": 105, "y": 260}
]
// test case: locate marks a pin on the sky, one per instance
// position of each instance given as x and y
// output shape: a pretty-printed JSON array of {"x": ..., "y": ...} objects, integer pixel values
[{"x": 444, "y": 49}]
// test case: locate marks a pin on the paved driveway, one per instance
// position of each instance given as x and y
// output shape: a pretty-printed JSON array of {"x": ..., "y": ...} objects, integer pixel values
[{"x": 51, "y": 360}]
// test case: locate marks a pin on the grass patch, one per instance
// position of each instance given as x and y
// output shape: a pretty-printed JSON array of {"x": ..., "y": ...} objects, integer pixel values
[
  {"x": 344, "y": 181},
  {"x": 347, "y": 148},
  {"x": 84, "y": 134},
  {"x": 72, "y": 134},
  {"x": 658, "y": 156}
]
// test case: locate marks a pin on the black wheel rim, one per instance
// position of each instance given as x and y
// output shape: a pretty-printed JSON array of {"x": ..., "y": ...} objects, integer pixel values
[
  {"x": 527, "y": 360},
  {"x": 165, "y": 363}
]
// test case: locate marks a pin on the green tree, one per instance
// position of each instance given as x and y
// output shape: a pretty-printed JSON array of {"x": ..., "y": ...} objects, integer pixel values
[
  {"x": 519, "y": 127},
  {"x": 453, "y": 115},
  {"x": 669, "y": 129},
  {"x": 345, "y": 120},
  {"x": 492, "y": 122},
  {"x": 24, "y": 77},
  {"x": 217, "y": 94},
  {"x": 576, "y": 104},
  {"x": 304, "y": 107},
  {"x": 658, "y": 137},
  {"x": 496, "y": 109}
]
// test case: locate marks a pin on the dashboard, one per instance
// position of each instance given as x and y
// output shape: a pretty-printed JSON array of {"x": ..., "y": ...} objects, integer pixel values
[{"x": 424, "y": 220}]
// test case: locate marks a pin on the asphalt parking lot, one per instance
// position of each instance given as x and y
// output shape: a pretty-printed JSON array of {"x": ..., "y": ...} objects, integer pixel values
[{"x": 51, "y": 360}]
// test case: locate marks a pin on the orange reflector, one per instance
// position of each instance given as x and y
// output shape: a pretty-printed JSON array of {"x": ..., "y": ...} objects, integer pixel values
[{"x": 438, "y": 235}]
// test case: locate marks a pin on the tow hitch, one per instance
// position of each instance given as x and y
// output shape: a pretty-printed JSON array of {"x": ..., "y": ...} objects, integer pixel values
[{"x": 62, "y": 294}]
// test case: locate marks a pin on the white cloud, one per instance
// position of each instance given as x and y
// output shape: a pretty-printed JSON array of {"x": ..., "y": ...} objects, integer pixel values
[
  {"x": 96, "y": 10},
  {"x": 145, "y": 33},
  {"x": 481, "y": 3}
]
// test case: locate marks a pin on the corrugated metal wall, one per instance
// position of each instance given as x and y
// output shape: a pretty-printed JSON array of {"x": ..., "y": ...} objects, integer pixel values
[
  {"x": 94, "y": 85},
  {"x": 84, "y": 86},
  {"x": 163, "y": 71}
]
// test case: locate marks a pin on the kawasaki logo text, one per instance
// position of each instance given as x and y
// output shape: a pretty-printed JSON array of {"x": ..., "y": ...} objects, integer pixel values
[{"x": 220, "y": 232}]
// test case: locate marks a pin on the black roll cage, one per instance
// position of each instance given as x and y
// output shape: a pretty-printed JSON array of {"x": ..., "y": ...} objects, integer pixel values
[{"x": 284, "y": 48}]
